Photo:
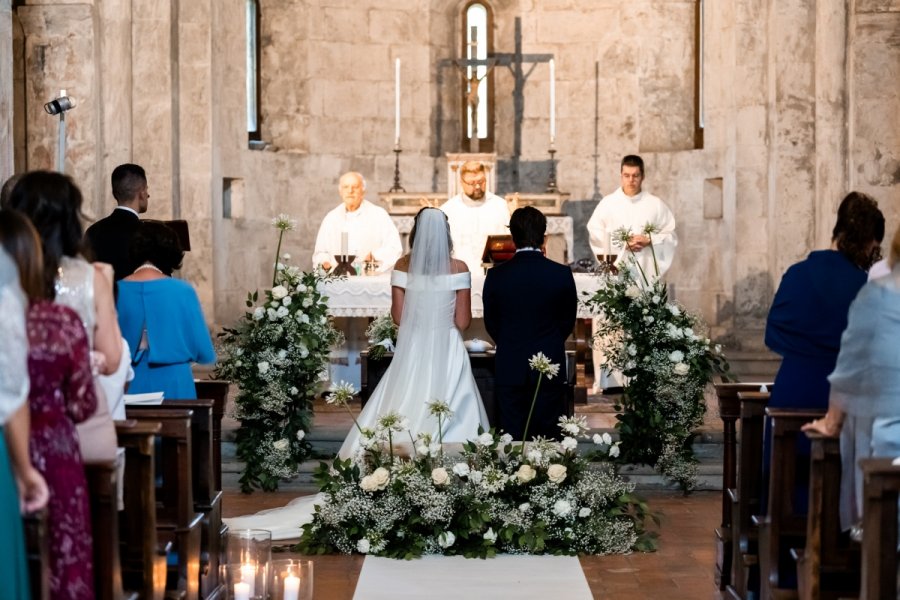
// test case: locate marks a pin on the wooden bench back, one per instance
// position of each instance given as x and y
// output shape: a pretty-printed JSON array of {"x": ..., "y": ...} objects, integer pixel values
[
  {"x": 37, "y": 550},
  {"x": 102, "y": 481},
  {"x": 217, "y": 391},
  {"x": 881, "y": 487}
]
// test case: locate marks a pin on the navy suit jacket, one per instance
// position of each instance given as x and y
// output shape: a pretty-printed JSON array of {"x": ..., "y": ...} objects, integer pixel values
[
  {"x": 109, "y": 239},
  {"x": 530, "y": 305}
]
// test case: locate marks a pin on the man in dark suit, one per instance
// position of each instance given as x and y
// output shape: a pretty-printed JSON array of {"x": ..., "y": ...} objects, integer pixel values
[
  {"x": 109, "y": 237},
  {"x": 530, "y": 306}
]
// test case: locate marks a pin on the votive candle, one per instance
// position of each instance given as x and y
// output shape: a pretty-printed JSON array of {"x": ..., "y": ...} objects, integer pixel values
[
  {"x": 291, "y": 587},
  {"x": 248, "y": 577},
  {"x": 241, "y": 590}
]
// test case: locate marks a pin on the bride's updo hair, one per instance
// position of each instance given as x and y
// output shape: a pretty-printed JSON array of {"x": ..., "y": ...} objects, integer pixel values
[{"x": 412, "y": 232}]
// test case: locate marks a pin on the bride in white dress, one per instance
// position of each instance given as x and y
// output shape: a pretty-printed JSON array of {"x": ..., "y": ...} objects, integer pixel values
[{"x": 431, "y": 302}]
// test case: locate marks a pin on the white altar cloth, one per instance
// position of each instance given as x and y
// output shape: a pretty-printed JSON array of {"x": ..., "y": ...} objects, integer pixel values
[
  {"x": 454, "y": 577},
  {"x": 370, "y": 296}
]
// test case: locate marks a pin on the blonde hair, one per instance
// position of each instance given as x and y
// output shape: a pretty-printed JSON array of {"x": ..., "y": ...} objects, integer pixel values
[{"x": 471, "y": 166}]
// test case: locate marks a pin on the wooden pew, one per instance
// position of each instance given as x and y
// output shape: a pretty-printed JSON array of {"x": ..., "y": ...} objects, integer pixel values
[
  {"x": 177, "y": 520},
  {"x": 784, "y": 526},
  {"x": 37, "y": 549},
  {"x": 828, "y": 566},
  {"x": 207, "y": 497},
  {"x": 102, "y": 479},
  {"x": 217, "y": 391},
  {"x": 744, "y": 497},
  {"x": 143, "y": 559},
  {"x": 881, "y": 486},
  {"x": 729, "y": 412}
]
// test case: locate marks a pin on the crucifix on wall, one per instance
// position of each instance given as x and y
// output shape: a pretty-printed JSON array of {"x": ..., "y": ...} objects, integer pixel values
[{"x": 474, "y": 72}]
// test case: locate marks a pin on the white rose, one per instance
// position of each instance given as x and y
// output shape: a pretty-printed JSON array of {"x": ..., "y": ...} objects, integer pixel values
[
  {"x": 556, "y": 473},
  {"x": 301, "y": 288},
  {"x": 505, "y": 439},
  {"x": 381, "y": 476},
  {"x": 286, "y": 300},
  {"x": 263, "y": 367},
  {"x": 569, "y": 443},
  {"x": 446, "y": 539},
  {"x": 633, "y": 292},
  {"x": 525, "y": 473},
  {"x": 649, "y": 320},
  {"x": 584, "y": 512},
  {"x": 362, "y": 546},
  {"x": 656, "y": 299},
  {"x": 676, "y": 356},
  {"x": 688, "y": 332},
  {"x": 367, "y": 484},
  {"x": 561, "y": 508},
  {"x": 607, "y": 439},
  {"x": 461, "y": 469},
  {"x": 307, "y": 302},
  {"x": 597, "y": 439},
  {"x": 632, "y": 350},
  {"x": 475, "y": 477},
  {"x": 485, "y": 439},
  {"x": 271, "y": 314},
  {"x": 281, "y": 444},
  {"x": 524, "y": 507},
  {"x": 294, "y": 391},
  {"x": 490, "y": 535},
  {"x": 282, "y": 311},
  {"x": 681, "y": 369},
  {"x": 440, "y": 476},
  {"x": 259, "y": 313},
  {"x": 614, "y": 451},
  {"x": 674, "y": 310},
  {"x": 300, "y": 435},
  {"x": 279, "y": 292}
]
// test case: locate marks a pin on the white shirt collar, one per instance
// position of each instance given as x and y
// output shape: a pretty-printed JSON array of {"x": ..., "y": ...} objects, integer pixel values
[
  {"x": 129, "y": 209},
  {"x": 527, "y": 249}
]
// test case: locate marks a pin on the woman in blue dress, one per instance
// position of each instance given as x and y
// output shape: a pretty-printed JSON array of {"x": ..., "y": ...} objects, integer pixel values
[{"x": 161, "y": 318}]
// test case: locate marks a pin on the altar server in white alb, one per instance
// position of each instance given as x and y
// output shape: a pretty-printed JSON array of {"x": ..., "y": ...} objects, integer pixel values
[
  {"x": 632, "y": 208},
  {"x": 366, "y": 230},
  {"x": 474, "y": 214}
]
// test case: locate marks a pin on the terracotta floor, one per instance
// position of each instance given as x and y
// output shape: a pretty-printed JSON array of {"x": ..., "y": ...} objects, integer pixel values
[{"x": 682, "y": 568}]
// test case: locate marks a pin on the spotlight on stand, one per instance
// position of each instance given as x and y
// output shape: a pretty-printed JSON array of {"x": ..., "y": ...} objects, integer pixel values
[{"x": 59, "y": 106}]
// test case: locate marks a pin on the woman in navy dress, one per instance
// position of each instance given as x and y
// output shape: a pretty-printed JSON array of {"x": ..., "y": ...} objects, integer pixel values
[{"x": 161, "y": 318}]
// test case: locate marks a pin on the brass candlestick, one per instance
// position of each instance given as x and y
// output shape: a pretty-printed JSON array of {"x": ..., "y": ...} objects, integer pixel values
[{"x": 397, "y": 187}]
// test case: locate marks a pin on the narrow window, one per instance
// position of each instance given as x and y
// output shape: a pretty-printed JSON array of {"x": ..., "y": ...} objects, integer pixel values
[
  {"x": 253, "y": 86},
  {"x": 477, "y": 88}
]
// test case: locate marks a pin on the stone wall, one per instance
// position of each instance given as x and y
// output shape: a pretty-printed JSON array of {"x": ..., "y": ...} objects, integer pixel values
[{"x": 800, "y": 105}]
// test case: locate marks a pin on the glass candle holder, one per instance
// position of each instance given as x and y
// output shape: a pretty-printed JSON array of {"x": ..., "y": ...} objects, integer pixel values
[
  {"x": 292, "y": 579},
  {"x": 248, "y": 564}
]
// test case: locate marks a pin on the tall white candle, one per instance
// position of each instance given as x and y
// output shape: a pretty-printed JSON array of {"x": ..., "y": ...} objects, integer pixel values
[
  {"x": 397, "y": 102},
  {"x": 344, "y": 243},
  {"x": 552, "y": 101},
  {"x": 241, "y": 591},
  {"x": 248, "y": 577},
  {"x": 291, "y": 587}
]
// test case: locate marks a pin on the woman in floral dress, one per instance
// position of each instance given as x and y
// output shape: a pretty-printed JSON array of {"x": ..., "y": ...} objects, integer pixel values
[{"x": 61, "y": 394}]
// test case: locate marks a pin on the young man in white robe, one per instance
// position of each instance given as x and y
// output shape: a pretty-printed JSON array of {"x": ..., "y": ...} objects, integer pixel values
[
  {"x": 474, "y": 214},
  {"x": 369, "y": 231},
  {"x": 632, "y": 208}
]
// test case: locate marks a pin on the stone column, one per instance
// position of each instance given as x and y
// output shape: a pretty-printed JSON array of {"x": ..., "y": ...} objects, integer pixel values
[{"x": 6, "y": 91}]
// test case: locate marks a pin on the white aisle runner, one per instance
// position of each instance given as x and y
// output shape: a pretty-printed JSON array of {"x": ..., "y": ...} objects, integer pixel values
[{"x": 455, "y": 577}]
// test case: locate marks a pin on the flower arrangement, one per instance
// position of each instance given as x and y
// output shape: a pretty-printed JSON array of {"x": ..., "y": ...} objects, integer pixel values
[
  {"x": 382, "y": 335},
  {"x": 667, "y": 360},
  {"x": 277, "y": 354},
  {"x": 495, "y": 496}
]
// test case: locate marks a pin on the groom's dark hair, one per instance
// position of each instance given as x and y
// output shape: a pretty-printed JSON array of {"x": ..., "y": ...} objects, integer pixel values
[{"x": 527, "y": 226}]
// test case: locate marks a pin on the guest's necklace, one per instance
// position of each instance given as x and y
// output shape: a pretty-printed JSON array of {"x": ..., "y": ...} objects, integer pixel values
[{"x": 149, "y": 267}]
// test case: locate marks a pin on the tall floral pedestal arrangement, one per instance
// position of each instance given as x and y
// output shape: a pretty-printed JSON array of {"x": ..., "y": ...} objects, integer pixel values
[
  {"x": 666, "y": 359},
  {"x": 277, "y": 354}
]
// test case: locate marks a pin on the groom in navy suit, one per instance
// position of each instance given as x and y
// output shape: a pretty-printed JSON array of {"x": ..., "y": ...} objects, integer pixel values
[{"x": 530, "y": 306}]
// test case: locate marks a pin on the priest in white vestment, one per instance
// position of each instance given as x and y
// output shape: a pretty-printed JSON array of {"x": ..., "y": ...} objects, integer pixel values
[
  {"x": 474, "y": 214},
  {"x": 632, "y": 208},
  {"x": 369, "y": 231}
]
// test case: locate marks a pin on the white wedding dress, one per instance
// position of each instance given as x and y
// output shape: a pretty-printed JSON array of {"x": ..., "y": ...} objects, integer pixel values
[{"x": 430, "y": 363}]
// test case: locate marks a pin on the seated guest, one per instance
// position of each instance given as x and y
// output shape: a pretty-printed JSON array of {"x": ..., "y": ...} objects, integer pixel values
[
  {"x": 53, "y": 202},
  {"x": 865, "y": 385},
  {"x": 109, "y": 237},
  {"x": 61, "y": 394},
  {"x": 161, "y": 317},
  {"x": 367, "y": 230},
  {"x": 16, "y": 471},
  {"x": 474, "y": 214}
]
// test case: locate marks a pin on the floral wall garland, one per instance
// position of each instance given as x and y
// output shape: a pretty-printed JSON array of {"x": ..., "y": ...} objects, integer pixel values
[
  {"x": 277, "y": 355},
  {"x": 667, "y": 360}
]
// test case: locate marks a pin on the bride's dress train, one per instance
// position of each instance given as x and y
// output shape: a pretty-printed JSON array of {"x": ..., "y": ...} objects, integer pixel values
[{"x": 431, "y": 363}]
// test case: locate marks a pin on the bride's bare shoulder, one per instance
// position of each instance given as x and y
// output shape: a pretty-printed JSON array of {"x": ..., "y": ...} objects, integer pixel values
[
  {"x": 402, "y": 264},
  {"x": 458, "y": 266}
]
